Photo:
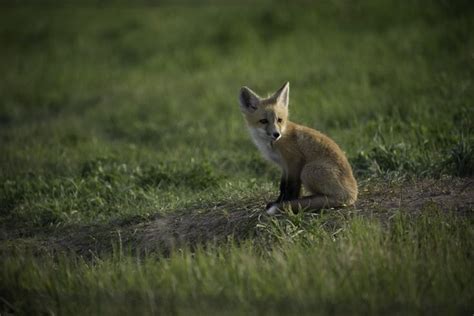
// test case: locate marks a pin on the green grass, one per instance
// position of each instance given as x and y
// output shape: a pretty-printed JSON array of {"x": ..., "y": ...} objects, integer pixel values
[
  {"x": 142, "y": 88},
  {"x": 417, "y": 266},
  {"x": 114, "y": 112}
]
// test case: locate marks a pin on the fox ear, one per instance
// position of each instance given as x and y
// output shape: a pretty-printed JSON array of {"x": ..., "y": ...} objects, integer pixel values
[
  {"x": 249, "y": 100},
  {"x": 282, "y": 96}
]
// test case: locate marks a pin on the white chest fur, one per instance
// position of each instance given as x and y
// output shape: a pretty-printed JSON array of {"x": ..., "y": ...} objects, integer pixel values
[{"x": 265, "y": 147}]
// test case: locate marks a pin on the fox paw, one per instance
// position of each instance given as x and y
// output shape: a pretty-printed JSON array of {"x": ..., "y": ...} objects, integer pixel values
[{"x": 272, "y": 209}]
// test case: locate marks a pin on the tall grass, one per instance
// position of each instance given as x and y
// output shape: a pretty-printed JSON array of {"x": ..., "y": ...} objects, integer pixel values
[{"x": 416, "y": 265}]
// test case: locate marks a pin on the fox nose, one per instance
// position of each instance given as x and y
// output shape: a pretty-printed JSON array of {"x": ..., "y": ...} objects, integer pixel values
[{"x": 276, "y": 135}]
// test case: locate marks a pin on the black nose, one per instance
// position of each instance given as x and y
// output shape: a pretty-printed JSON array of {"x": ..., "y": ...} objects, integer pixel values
[{"x": 276, "y": 135}]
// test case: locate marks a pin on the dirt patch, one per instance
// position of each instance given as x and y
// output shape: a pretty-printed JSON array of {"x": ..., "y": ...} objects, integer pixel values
[
  {"x": 160, "y": 234},
  {"x": 450, "y": 194},
  {"x": 218, "y": 222}
]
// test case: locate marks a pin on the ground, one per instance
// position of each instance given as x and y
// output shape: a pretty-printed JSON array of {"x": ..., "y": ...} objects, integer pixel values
[{"x": 201, "y": 224}]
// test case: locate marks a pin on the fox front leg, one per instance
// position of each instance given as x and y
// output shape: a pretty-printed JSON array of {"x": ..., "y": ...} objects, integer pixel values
[{"x": 290, "y": 189}]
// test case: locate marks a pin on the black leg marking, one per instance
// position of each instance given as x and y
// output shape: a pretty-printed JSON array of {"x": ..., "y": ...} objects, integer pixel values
[{"x": 289, "y": 189}]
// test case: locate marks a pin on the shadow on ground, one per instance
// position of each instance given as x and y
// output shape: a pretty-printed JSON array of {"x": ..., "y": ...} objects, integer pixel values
[{"x": 217, "y": 223}]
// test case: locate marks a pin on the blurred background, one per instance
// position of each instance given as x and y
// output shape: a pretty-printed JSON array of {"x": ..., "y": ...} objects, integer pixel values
[{"x": 114, "y": 108}]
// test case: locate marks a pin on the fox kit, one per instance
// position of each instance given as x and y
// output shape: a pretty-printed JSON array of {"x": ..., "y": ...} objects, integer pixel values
[{"x": 305, "y": 156}]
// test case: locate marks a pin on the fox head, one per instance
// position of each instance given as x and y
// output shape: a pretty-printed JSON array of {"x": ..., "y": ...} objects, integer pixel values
[{"x": 266, "y": 117}]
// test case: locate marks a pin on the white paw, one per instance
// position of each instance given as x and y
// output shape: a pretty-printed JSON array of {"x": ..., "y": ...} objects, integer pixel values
[{"x": 272, "y": 210}]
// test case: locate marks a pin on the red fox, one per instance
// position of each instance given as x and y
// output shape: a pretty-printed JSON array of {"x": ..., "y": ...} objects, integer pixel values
[{"x": 306, "y": 157}]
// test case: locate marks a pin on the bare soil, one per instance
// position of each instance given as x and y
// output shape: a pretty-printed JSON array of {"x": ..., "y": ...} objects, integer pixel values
[{"x": 237, "y": 220}]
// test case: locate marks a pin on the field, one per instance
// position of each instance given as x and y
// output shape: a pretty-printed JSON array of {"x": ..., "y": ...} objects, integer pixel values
[{"x": 129, "y": 185}]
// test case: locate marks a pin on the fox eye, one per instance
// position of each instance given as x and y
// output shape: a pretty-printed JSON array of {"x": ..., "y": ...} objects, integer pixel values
[
  {"x": 279, "y": 120},
  {"x": 263, "y": 121}
]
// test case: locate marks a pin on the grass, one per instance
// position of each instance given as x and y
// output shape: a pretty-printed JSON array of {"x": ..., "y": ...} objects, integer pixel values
[
  {"x": 118, "y": 112},
  {"x": 417, "y": 265}
]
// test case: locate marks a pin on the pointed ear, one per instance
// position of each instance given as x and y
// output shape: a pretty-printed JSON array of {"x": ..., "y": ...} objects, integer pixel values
[
  {"x": 249, "y": 100},
  {"x": 282, "y": 96}
]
